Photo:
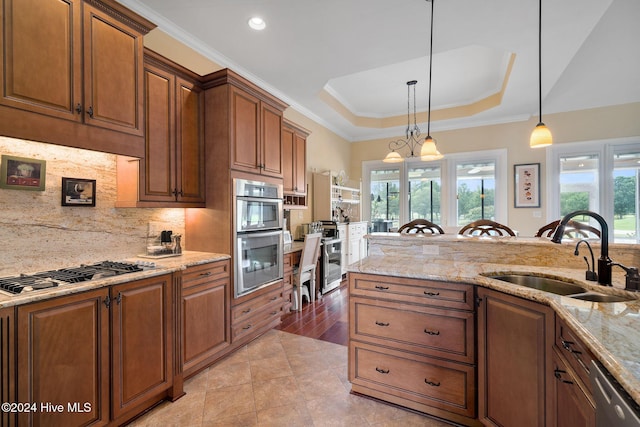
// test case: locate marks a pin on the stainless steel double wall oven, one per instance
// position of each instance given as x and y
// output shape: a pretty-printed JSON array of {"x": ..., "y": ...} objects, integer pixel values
[{"x": 258, "y": 246}]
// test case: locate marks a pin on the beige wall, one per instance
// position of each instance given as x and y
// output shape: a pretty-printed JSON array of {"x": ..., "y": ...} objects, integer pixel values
[{"x": 594, "y": 124}]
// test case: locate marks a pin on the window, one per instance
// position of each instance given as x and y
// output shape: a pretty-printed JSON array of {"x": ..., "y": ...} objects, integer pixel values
[
  {"x": 600, "y": 176},
  {"x": 414, "y": 189}
]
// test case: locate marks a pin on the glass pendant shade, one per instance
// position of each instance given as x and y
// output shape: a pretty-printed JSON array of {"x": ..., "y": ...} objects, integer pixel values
[
  {"x": 541, "y": 136},
  {"x": 393, "y": 157},
  {"x": 429, "y": 151}
]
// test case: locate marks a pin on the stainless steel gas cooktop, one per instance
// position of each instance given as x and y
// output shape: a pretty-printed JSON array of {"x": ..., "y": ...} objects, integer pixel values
[{"x": 53, "y": 278}]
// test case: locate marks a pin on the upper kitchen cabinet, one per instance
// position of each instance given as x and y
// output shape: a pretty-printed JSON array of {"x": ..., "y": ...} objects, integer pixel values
[
  {"x": 171, "y": 174},
  {"x": 246, "y": 123},
  {"x": 294, "y": 156},
  {"x": 72, "y": 74}
]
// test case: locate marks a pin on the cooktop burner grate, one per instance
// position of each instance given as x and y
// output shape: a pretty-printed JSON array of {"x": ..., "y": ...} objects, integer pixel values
[{"x": 49, "y": 279}]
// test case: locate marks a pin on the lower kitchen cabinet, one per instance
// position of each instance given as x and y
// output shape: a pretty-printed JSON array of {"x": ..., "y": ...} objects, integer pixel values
[
  {"x": 256, "y": 313},
  {"x": 63, "y": 358},
  {"x": 412, "y": 343},
  {"x": 141, "y": 329},
  {"x": 103, "y": 355},
  {"x": 515, "y": 375},
  {"x": 205, "y": 333},
  {"x": 7, "y": 363}
]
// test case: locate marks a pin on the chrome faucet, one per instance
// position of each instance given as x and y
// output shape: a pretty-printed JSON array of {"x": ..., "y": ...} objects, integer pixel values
[{"x": 604, "y": 262}]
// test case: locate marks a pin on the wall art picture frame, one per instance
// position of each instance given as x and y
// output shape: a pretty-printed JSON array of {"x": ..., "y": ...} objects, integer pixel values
[
  {"x": 21, "y": 173},
  {"x": 78, "y": 192},
  {"x": 527, "y": 185}
]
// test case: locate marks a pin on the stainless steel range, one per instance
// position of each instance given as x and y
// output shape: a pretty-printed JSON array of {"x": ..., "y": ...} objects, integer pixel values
[{"x": 53, "y": 278}]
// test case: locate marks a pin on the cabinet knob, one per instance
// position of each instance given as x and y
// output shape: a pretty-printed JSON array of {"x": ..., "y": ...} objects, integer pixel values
[
  {"x": 90, "y": 112},
  {"x": 78, "y": 108}
]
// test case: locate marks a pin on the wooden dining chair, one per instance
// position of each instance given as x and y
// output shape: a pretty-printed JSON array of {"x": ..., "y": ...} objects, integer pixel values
[
  {"x": 573, "y": 229},
  {"x": 421, "y": 226},
  {"x": 306, "y": 271},
  {"x": 486, "y": 227}
]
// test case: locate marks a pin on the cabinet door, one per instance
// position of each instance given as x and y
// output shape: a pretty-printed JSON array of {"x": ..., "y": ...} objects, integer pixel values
[
  {"x": 288, "y": 161},
  {"x": 113, "y": 70},
  {"x": 7, "y": 364},
  {"x": 204, "y": 320},
  {"x": 63, "y": 358},
  {"x": 189, "y": 141},
  {"x": 300, "y": 164},
  {"x": 271, "y": 135},
  {"x": 141, "y": 345},
  {"x": 515, "y": 338},
  {"x": 573, "y": 407},
  {"x": 158, "y": 168},
  {"x": 245, "y": 142},
  {"x": 41, "y": 46}
]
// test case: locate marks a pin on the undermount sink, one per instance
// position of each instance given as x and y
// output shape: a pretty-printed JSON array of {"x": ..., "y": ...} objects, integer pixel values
[
  {"x": 558, "y": 287},
  {"x": 601, "y": 297},
  {"x": 546, "y": 284}
]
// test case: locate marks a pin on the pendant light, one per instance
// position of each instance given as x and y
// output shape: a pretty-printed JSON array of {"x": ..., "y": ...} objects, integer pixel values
[
  {"x": 429, "y": 149},
  {"x": 412, "y": 133},
  {"x": 541, "y": 135}
]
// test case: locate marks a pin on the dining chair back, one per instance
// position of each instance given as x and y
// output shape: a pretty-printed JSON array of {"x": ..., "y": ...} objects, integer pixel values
[
  {"x": 486, "y": 227},
  {"x": 573, "y": 229},
  {"x": 306, "y": 270},
  {"x": 421, "y": 226}
]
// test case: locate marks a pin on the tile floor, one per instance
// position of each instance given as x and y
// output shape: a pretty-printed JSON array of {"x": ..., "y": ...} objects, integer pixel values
[{"x": 280, "y": 379}]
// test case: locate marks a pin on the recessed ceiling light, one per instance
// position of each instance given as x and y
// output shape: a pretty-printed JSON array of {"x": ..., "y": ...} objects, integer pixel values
[{"x": 257, "y": 23}]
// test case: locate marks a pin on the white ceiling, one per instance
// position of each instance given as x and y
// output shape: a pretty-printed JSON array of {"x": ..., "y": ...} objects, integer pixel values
[{"x": 363, "y": 52}]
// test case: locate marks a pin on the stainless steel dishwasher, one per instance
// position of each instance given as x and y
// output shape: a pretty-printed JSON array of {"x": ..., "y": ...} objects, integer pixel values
[{"x": 614, "y": 407}]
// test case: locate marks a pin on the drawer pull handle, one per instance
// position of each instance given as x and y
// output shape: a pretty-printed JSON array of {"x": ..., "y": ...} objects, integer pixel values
[
  {"x": 382, "y": 288},
  {"x": 428, "y": 332},
  {"x": 431, "y": 294},
  {"x": 558, "y": 374},
  {"x": 274, "y": 298},
  {"x": 273, "y": 313},
  {"x": 382, "y": 371},
  {"x": 208, "y": 273},
  {"x": 382, "y": 323},
  {"x": 247, "y": 327},
  {"x": 248, "y": 310},
  {"x": 431, "y": 383}
]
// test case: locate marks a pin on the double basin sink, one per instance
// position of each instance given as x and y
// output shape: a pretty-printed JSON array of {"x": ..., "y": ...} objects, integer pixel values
[{"x": 558, "y": 287}]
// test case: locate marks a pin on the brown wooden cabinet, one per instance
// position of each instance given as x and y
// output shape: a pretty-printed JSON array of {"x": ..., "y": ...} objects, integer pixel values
[
  {"x": 412, "y": 343},
  {"x": 205, "y": 311},
  {"x": 63, "y": 357},
  {"x": 108, "y": 351},
  {"x": 294, "y": 152},
  {"x": 574, "y": 403},
  {"x": 171, "y": 173},
  {"x": 515, "y": 375},
  {"x": 256, "y": 313},
  {"x": 71, "y": 64},
  {"x": 244, "y": 124},
  {"x": 141, "y": 340},
  {"x": 7, "y": 363}
]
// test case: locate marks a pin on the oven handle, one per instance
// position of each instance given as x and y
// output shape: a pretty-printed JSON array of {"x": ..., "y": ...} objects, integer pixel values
[
  {"x": 259, "y": 233},
  {"x": 259, "y": 199}
]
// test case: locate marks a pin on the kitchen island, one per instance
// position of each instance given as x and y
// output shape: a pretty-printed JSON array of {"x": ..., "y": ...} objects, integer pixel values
[{"x": 609, "y": 330}]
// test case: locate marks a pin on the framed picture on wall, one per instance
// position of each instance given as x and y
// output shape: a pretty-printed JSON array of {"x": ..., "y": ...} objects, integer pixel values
[
  {"x": 527, "y": 185},
  {"x": 20, "y": 173},
  {"x": 78, "y": 192}
]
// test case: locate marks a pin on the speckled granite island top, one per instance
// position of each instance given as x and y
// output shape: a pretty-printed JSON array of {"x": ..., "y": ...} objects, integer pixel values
[
  {"x": 611, "y": 330},
  {"x": 162, "y": 266}
]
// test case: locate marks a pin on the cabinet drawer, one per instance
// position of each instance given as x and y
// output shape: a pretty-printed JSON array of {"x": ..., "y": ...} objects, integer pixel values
[
  {"x": 199, "y": 274},
  {"x": 431, "y": 331},
  {"x": 262, "y": 303},
  {"x": 574, "y": 351},
  {"x": 435, "y": 383},
  {"x": 441, "y": 294},
  {"x": 249, "y": 325}
]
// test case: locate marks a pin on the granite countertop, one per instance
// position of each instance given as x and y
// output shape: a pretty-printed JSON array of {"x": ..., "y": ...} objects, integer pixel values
[
  {"x": 293, "y": 247},
  {"x": 162, "y": 266},
  {"x": 610, "y": 330}
]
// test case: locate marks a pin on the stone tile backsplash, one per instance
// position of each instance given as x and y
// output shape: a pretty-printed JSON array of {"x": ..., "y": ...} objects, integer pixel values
[{"x": 38, "y": 233}]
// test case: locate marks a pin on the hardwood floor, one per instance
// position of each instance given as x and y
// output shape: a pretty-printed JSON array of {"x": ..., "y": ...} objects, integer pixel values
[{"x": 325, "y": 319}]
